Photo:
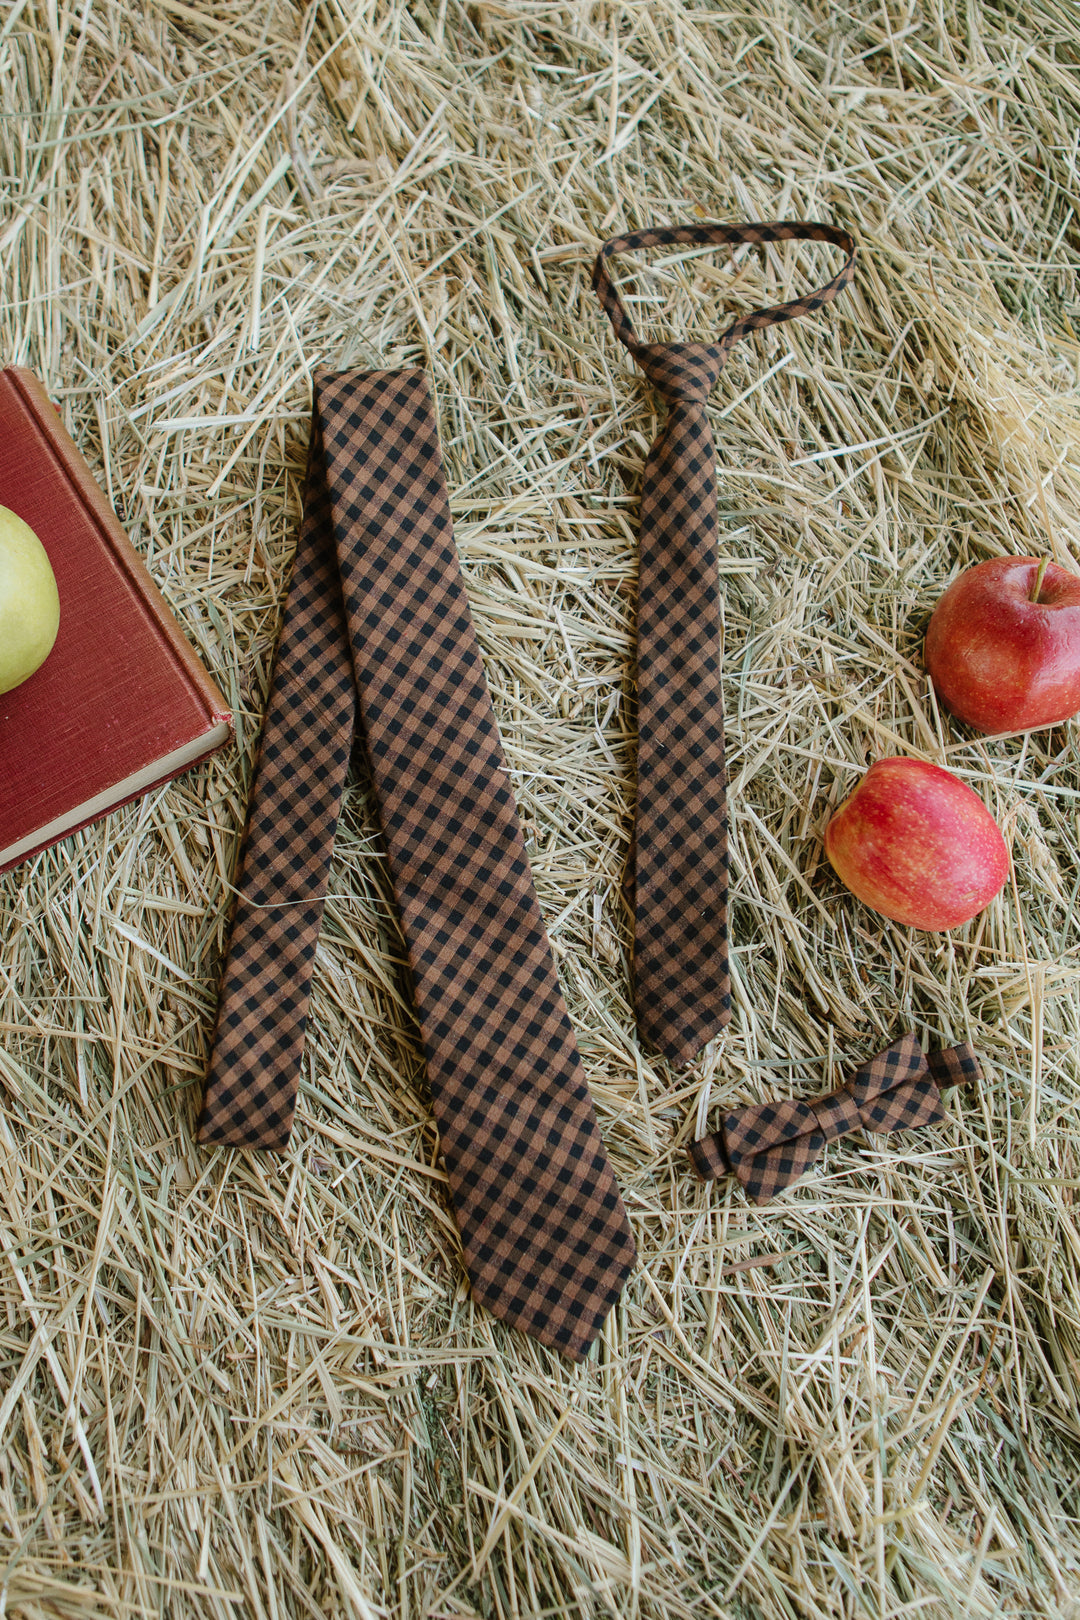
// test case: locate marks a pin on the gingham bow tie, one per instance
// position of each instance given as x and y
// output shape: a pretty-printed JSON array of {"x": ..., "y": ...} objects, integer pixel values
[
  {"x": 678, "y": 873},
  {"x": 770, "y": 1145}
]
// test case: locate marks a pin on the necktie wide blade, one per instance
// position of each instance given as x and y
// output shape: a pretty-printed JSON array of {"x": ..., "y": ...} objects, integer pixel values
[
  {"x": 769, "y": 1146},
  {"x": 546, "y": 1240},
  {"x": 678, "y": 871}
]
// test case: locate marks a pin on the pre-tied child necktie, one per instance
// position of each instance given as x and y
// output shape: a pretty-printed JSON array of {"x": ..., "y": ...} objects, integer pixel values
[
  {"x": 679, "y": 865},
  {"x": 377, "y": 614}
]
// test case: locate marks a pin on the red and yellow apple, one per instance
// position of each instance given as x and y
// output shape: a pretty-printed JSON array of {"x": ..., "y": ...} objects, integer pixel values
[
  {"x": 915, "y": 843},
  {"x": 29, "y": 603},
  {"x": 1003, "y": 645}
]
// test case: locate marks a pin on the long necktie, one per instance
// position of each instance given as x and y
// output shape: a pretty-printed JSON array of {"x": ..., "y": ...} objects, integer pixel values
[
  {"x": 770, "y": 1145},
  {"x": 678, "y": 875},
  {"x": 378, "y": 615}
]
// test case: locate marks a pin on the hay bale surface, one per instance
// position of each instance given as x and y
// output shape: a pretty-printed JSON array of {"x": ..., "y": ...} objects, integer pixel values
[{"x": 232, "y": 1385}]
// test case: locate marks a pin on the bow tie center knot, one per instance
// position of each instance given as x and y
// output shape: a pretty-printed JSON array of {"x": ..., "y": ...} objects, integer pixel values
[
  {"x": 837, "y": 1114},
  {"x": 681, "y": 371}
]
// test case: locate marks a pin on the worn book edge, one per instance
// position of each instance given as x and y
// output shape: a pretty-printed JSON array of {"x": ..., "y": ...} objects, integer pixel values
[{"x": 70, "y": 465}]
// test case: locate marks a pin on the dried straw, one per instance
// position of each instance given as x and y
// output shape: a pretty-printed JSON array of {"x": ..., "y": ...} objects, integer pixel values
[{"x": 232, "y": 1386}]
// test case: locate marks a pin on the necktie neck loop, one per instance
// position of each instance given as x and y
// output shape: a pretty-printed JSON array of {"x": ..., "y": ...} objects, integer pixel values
[{"x": 648, "y": 354}]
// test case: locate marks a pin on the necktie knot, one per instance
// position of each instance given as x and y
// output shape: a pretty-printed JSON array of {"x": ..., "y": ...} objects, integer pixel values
[{"x": 685, "y": 372}]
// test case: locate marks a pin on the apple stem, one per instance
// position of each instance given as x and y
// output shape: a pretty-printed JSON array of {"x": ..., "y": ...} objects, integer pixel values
[{"x": 1039, "y": 577}]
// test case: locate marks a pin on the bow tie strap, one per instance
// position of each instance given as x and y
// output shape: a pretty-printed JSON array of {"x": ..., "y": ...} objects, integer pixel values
[
  {"x": 768, "y": 1146},
  {"x": 954, "y": 1066}
]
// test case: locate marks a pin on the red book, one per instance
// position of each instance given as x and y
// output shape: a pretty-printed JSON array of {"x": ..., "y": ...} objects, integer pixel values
[{"x": 121, "y": 704}]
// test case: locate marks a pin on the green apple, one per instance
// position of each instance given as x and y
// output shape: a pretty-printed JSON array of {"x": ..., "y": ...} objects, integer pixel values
[{"x": 29, "y": 602}]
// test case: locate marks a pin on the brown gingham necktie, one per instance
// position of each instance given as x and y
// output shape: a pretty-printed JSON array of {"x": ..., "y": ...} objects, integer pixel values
[
  {"x": 378, "y": 618},
  {"x": 678, "y": 876},
  {"x": 770, "y": 1145}
]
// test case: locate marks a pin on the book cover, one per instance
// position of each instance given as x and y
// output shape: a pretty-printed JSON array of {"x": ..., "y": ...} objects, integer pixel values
[{"x": 122, "y": 703}]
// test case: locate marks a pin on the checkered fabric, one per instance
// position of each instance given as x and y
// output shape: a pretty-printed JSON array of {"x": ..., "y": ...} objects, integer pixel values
[
  {"x": 770, "y": 1145},
  {"x": 678, "y": 874},
  {"x": 377, "y": 598}
]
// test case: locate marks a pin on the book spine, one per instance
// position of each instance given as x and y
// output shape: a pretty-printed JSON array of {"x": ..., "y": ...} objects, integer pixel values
[{"x": 39, "y": 407}]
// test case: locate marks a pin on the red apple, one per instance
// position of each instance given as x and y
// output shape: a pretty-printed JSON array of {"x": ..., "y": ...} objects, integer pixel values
[
  {"x": 1003, "y": 645},
  {"x": 916, "y": 844}
]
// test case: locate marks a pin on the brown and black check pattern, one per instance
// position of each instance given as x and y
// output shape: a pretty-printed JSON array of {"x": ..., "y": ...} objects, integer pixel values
[
  {"x": 378, "y": 598},
  {"x": 679, "y": 877},
  {"x": 770, "y": 1145}
]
